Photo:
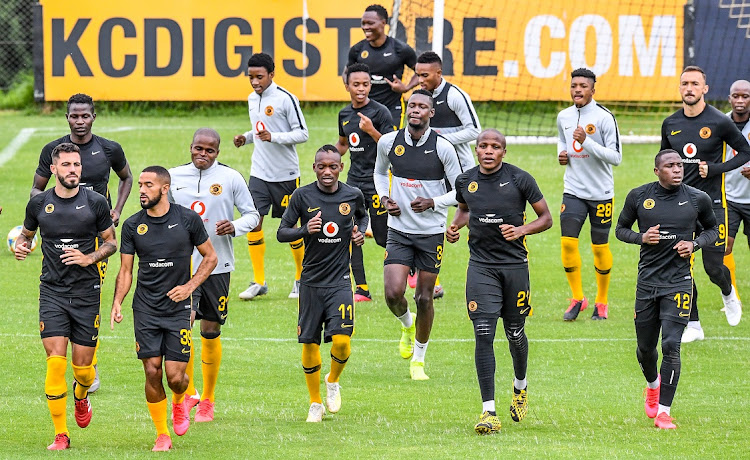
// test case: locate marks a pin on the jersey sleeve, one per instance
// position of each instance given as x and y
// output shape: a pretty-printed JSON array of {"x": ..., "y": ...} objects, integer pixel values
[
  {"x": 707, "y": 219},
  {"x": 460, "y": 103},
  {"x": 353, "y": 54},
  {"x": 30, "y": 221},
  {"x": 408, "y": 55},
  {"x": 194, "y": 224},
  {"x": 341, "y": 126},
  {"x": 382, "y": 164},
  {"x": 45, "y": 161},
  {"x": 127, "y": 244},
  {"x": 243, "y": 201},
  {"x": 732, "y": 136},
  {"x": 287, "y": 232},
  {"x": 298, "y": 132},
  {"x": 624, "y": 229},
  {"x": 460, "y": 181},
  {"x": 665, "y": 144},
  {"x": 561, "y": 142},
  {"x": 384, "y": 123},
  {"x": 531, "y": 191},
  {"x": 452, "y": 168},
  {"x": 611, "y": 149},
  {"x": 101, "y": 210},
  {"x": 361, "y": 217},
  {"x": 114, "y": 152}
]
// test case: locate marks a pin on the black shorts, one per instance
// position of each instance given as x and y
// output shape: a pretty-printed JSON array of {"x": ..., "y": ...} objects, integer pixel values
[
  {"x": 493, "y": 292},
  {"x": 266, "y": 194},
  {"x": 167, "y": 336},
  {"x": 423, "y": 252},
  {"x": 573, "y": 214},
  {"x": 397, "y": 114},
  {"x": 74, "y": 317},
  {"x": 332, "y": 306},
  {"x": 721, "y": 220},
  {"x": 211, "y": 300},
  {"x": 378, "y": 213},
  {"x": 738, "y": 213},
  {"x": 654, "y": 304}
]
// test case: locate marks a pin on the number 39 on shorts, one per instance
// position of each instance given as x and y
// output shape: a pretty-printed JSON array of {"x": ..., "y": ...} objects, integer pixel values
[{"x": 186, "y": 337}]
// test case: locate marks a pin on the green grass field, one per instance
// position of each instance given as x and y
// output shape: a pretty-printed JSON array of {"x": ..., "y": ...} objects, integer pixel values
[{"x": 584, "y": 381}]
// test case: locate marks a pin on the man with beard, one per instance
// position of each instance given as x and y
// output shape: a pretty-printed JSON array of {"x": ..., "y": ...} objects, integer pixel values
[
  {"x": 699, "y": 132},
  {"x": 70, "y": 218},
  {"x": 423, "y": 164},
  {"x": 163, "y": 236},
  {"x": 666, "y": 212}
]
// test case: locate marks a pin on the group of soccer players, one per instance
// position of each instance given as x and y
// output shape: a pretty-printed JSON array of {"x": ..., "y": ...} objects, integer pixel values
[{"x": 402, "y": 182}]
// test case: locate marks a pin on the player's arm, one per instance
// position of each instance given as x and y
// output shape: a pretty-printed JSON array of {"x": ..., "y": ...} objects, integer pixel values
[
  {"x": 562, "y": 145},
  {"x": 380, "y": 175},
  {"x": 123, "y": 192},
  {"x": 665, "y": 144},
  {"x": 288, "y": 231},
  {"x": 452, "y": 167},
  {"x": 542, "y": 222},
  {"x": 23, "y": 243},
  {"x": 707, "y": 219},
  {"x": 122, "y": 287},
  {"x": 249, "y": 215},
  {"x": 461, "y": 105},
  {"x": 367, "y": 125},
  {"x": 624, "y": 229},
  {"x": 611, "y": 151},
  {"x": 298, "y": 129},
  {"x": 247, "y": 136},
  {"x": 207, "y": 265},
  {"x": 30, "y": 225},
  {"x": 732, "y": 136},
  {"x": 42, "y": 173},
  {"x": 460, "y": 220},
  {"x": 342, "y": 145},
  {"x": 361, "y": 219},
  {"x": 107, "y": 248}
]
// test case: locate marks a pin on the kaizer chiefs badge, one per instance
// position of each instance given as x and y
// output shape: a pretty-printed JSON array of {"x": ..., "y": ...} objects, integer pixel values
[
  {"x": 364, "y": 54},
  {"x": 399, "y": 150},
  {"x": 345, "y": 209},
  {"x": 215, "y": 189},
  {"x": 649, "y": 204},
  {"x": 142, "y": 229},
  {"x": 472, "y": 306},
  {"x": 590, "y": 129},
  {"x": 473, "y": 186},
  {"x": 705, "y": 132},
  {"x": 49, "y": 209},
  {"x": 269, "y": 111}
]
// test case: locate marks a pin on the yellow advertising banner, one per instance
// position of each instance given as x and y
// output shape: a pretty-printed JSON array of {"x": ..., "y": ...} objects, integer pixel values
[{"x": 495, "y": 50}]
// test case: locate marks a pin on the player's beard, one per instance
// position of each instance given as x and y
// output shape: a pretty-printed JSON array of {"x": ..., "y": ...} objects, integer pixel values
[
  {"x": 68, "y": 185},
  {"x": 152, "y": 202},
  {"x": 695, "y": 101}
]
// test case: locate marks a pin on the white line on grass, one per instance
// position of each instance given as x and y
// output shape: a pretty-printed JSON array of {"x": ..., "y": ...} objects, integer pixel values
[{"x": 15, "y": 145}]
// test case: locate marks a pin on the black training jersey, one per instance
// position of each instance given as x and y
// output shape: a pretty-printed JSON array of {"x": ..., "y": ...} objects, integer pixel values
[
  {"x": 703, "y": 138},
  {"x": 327, "y": 257},
  {"x": 384, "y": 62},
  {"x": 164, "y": 246},
  {"x": 362, "y": 147},
  {"x": 68, "y": 223},
  {"x": 493, "y": 200},
  {"x": 98, "y": 157},
  {"x": 676, "y": 212}
]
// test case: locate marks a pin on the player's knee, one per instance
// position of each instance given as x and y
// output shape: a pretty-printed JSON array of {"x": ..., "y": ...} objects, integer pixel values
[
  {"x": 484, "y": 331},
  {"x": 84, "y": 375},
  {"x": 393, "y": 294},
  {"x": 153, "y": 372},
  {"x": 516, "y": 333},
  {"x": 570, "y": 227},
  {"x": 423, "y": 300},
  {"x": 670, "y": 348},
  {"x": 599, "y": 236},
  {"x": 341, "y": 348},
  {"x": 210, "y": 329}
]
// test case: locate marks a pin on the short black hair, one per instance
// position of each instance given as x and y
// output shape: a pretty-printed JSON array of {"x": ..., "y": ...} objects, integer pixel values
[
  {"x": 423, "y": 92},
  {"x": 261, "y": 60},
  {"x": 495, "y": 131},
  {"x": 64, "y": 147},
  {"x": 80, "y": 98},
  {"x": 328, "y": 148},
  {"x": 695, "y": 68},
  {"x": 161, "y": 172},
  {"x": 429, "y": 57},
  {"x": 210, "y": 132},
  {"x": 357, "y": 67},
  {"x": 657, "y": 158},
  {"x": 583, "y": 72},
  {"x": 379, "y": 10}
]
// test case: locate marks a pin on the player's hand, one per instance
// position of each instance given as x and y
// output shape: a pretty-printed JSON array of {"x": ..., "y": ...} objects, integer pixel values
[
  {"x": 703, "y": 169},
  {"x": 562, "y": 157},
  {"x": 315, "y": 224},
  {"x": 264, "y": 135},
  {"x": 357, "y": 237},
  {"x": 579, "y": 134},
  {"x": 452, "y": 234},
  {"x": 684, "y": 248},
  {"x": 391, "y": 206},
  {"x": 239, "y": 140},
  {"x": 180, "y": 293},
  {"x": 397, "y": 85},
  {"x": 422, "y": 204},
  {"x": 511, "y": 232},
  {"x": 23, "y": 248},
  {"x": 224, "y": 227},
  {"x": 745, "y": 171},
  {"x": 651, "y": 236},
  {"x": 116, "y": 315},
  {"x": 75, "y": 257},
  {"x": 115, "y": 216},
  {"x": 365, "y": 124}
]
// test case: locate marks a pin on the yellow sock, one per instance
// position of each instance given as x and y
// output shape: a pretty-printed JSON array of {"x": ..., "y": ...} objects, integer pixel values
[
  {"x": 84, "y": 376},
  {"x": 158, "y": 411},
  {"x": 340, "y": 351},
  {"x": 56, "y": 390},
  {"x": 437, "y": 281},
  {"x": 177, "y": 398},
  {"x": 311, "y": 365},
  {"x": 256, "y": 246},
  {"x": 729, "y": 262},
  {"x": 364, "y": 287},
  {"x": 603, "y": 266},
  {"x": 190, "y": 371},
  {"x": 210, "y": 364},
  {"x": 298, "y": 252},
  {"x": 571, "y": 260},
  {"x": 96, "y": 352}
]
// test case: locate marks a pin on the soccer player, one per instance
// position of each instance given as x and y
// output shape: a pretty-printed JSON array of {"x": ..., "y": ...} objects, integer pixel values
[
  {"x": 736, "y": 181},
  {"x": 277, "y": 126},
  {"x": 588, "y": 146},
  {"x": 666, "y": 212},
  {"x": 361, "y": 124},
  {"x": 386, "y": 58},
  {"x": 698, "y": 132},
  {"x": 163, "y": 236},
  {"x": 417, "y": 202},
  {"x": 98, "y": 157},
  {"x": 492, "y": 201},
  {"x": 69, "y": 218},
  {"x": 331, "y": 213},
  {"x": 212, "y": 190}
]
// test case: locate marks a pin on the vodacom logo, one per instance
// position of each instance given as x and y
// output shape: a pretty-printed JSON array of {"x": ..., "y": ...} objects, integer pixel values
[
  {"x": 577, "y": 146},
  {"x": 353, "y": 139},
  {"x": 198, "y": 207},
  {"x": 259, "y": 126}
]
